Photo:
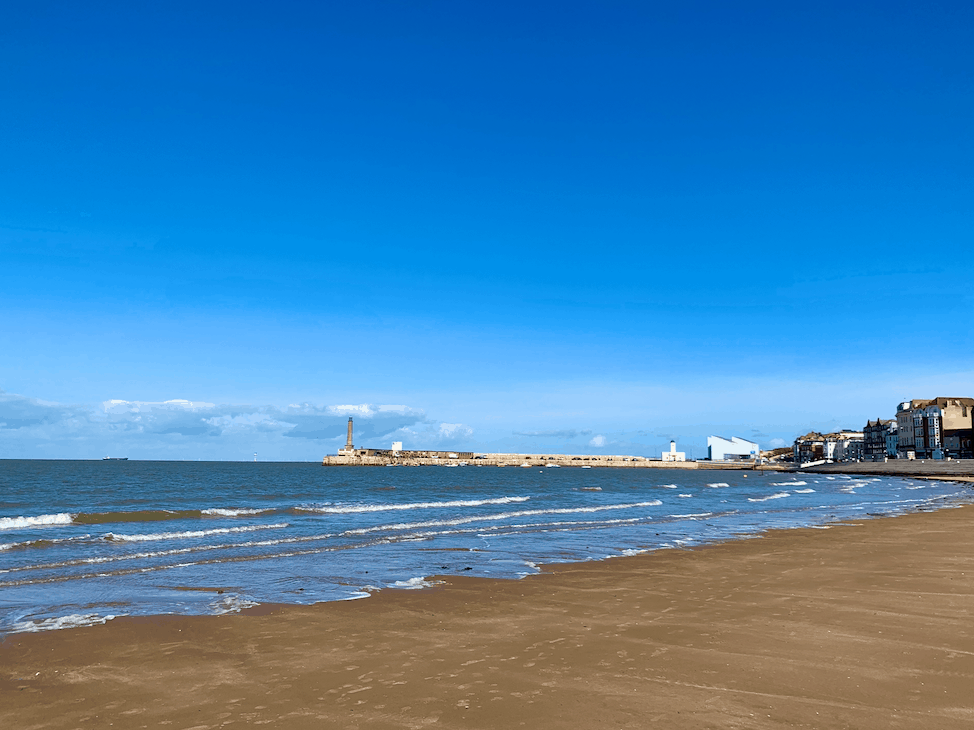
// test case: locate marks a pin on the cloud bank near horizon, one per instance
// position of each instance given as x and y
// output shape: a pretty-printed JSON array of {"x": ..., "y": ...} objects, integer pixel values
[{"x": 183, "y": 429}]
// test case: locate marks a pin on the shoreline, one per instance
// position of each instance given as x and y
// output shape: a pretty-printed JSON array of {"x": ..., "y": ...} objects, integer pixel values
[{"x": 865, "y": 623}]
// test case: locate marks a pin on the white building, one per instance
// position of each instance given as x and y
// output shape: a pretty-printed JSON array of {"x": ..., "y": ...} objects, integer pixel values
[
  {"x": 843, "y": 445},
  {"x": 673, "y": 454},
  {"x": 732, "y": 449}
]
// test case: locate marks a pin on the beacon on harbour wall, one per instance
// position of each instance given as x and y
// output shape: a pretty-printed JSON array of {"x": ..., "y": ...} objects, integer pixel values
[{"x": 349, "y": 448}]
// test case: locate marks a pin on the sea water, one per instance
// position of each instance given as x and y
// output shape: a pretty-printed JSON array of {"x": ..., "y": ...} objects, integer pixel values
[{"x": 82, "y": 542}]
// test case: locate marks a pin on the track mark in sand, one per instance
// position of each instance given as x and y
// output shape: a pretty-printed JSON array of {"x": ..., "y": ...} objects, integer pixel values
[{"x": 769, "y": 695}]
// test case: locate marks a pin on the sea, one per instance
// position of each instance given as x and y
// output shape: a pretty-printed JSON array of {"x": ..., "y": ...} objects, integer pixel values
[{"x": 83, "y": 542}]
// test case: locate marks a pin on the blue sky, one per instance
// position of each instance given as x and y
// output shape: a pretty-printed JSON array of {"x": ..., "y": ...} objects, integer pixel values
[{"x": 554, "y": 226}]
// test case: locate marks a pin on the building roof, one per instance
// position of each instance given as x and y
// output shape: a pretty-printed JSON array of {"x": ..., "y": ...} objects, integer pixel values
[
  {"x": 842, "y": 435},
  {"x": 942, "y": 402},
  {"x": 733, "y": 440}
]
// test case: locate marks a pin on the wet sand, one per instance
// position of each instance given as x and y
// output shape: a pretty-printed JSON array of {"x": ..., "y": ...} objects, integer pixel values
[{"x": 868, "y": 625}]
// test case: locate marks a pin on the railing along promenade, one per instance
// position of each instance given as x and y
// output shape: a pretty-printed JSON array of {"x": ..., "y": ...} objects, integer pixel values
[{"x": 900, "y": 468}]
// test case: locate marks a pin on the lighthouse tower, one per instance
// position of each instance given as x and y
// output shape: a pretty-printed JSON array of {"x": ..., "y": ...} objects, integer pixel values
[{"x": 349, "y": 448}]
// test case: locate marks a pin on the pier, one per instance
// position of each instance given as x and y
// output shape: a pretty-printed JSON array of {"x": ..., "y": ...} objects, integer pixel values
[{"x": 386, "y": 457}]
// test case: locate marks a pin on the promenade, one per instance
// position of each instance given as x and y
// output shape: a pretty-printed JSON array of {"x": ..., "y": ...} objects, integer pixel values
[{"x": 929, "y": 468}]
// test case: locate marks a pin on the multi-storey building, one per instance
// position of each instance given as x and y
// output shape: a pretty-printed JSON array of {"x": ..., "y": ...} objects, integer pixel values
[
  {"x": 809, "y": 447},
  {"x": 936, "y": 429},
  {"x": 875, "y": 439},
  {"x": 838, "y": 446},
  {"x": 906, "y": 443},
  {"x": 892, "y": 443},
  {"x": 844, "y": 446}
]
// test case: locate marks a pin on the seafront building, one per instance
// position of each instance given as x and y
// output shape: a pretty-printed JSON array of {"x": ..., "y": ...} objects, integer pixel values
[
  {"x": 939, "y": 428},
  {"x": 844, "y": 445},
  {"x": 879, "y": 440},
  {"x": 732, "y": 449}
]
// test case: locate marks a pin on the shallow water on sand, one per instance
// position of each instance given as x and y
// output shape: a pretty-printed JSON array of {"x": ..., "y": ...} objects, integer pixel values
[{"x": 81, "y": 541}]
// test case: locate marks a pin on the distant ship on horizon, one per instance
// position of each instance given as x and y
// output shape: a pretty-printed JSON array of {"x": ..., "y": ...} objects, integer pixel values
[{"x": 115, "y": 458}]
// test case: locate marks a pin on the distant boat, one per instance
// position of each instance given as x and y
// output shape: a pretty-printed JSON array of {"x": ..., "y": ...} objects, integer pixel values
[
  {"x": 525, "y": 466},
  {"x": 586, "y": 467},
  {"x": 553, "y": 466},
  {"x": 115, "y": 458}
]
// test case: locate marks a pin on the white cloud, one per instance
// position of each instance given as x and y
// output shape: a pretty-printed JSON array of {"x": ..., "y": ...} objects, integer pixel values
[
  {"x": 564, "y": 433},
  {"x": 776, "y": 443},
  {"x": 597, "y": 441},
  {"x": 364, "y": 409},
  {"x": 455, "y": 431},
  {"x": 180, "y": 428},
  {"x": 135, "y": 406}
]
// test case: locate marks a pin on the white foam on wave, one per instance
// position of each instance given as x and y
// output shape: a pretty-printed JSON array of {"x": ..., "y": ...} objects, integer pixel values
[
  {"x": 788, "y": 484},
  {"x": 355, "y": 595},
  {"x": 20, "y": 523},
  {"x": 42, "y": 542},
  {"x": 231, "y": 604},
  {"x": 232, "y": 512},
  {"x": 415, "y": 583},
  {"x": 634, "y": 551},
  {"x": 715, "y": 485},
  {"x": 669, "y": 486},
  {"x": 804, "y": 491},
  {"x": 71, "y": 621},
  {"x": 566, "y": 524},
  {"x": 349, "y": 509},
  {"x": 779, "y": 495},
  {"x": 684, "y": 496},
  {"x": 695, "y": 514},
  {"x": 500, "y": 516},
  {"x": 191, "y": 533}
]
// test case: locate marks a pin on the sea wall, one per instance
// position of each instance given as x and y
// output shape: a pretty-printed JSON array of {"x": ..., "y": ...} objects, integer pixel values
[{"x": 541, "y": 461}]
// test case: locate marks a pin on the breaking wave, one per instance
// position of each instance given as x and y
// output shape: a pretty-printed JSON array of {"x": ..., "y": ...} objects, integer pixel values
[
  {"x": 779, "y": 495},
  {"x": 20, "y": 523},
  {"x": 149, "y": 515},
  {"x": 191, "y": 533},
  {"x": 71, "y": 621},
  {"x": 233, "y": 512},
  {"x": 351, "y": 509}
]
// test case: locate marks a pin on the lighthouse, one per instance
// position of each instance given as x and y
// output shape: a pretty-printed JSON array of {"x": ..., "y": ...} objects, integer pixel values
[{"x": 348, "y": 442}]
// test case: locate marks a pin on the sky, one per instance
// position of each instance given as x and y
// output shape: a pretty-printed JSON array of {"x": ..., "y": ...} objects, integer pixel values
[{"x": 566, "y": 227}]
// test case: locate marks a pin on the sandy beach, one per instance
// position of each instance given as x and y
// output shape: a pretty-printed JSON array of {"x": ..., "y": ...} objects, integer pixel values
[{"x": 869, "y": 624}]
